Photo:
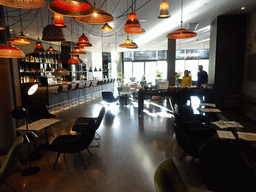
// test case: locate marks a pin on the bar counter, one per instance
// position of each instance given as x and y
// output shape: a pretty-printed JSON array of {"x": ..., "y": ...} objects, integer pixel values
[{"x": 60, "y": 95}]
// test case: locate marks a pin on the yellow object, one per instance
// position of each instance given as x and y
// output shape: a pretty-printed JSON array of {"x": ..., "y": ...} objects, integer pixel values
[{"x": 186, "y": 81}]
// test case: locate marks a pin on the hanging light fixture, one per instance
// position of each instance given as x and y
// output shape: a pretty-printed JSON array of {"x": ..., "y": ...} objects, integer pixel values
[
  {"x": 84, "y": 41},
  {"x": 106, "y": 27},
  {"x": 21, "y": 39},
  {"x": 164, "y": 10},
  {"x": 23, "y": 4},
  {"x": 132, "y": 23},
  {"x": 9, "y": 51},
  {"x": 39, "y": 47},
  {"x": 181, "y": 33},
  {"x": 51, "y": 50},
  {"x": 127, "y": 43},
  {"x": 132, "y": 45},
  {"x": 90, "y": 70},
  {"x": 59, "y": 20},
  {"x": 73, "y": 60},
  {"x": 53, "y": 33},
  {"x": 97, "y": 17},
  {"x": 77, "y": 51},
  {"x": 60, "y": 72},
  {"x": 71, "y": 8},
  {"x": 95, "y": 70},
  {"x": 135, "y": 32},
  {"x": 2, "y": 25}
]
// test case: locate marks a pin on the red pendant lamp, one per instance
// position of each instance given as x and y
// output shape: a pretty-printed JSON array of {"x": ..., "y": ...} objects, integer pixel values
[
  {"x": 9, "y": 51},
  {"x": 132, "y": 23},
  {"x": 181, "y": 33},
  {"x": 97, "y": 17},
  {"x": 39, "y": 47},
  {"x": 23, "y": 4},
  {"x": 21, "y": 40},
  {"x": 51, "y": 50},
  {"x": 106, "y": 27},
  {"x": 73, "y": 60},
  {"x": 84, "y": 41},
  {"x": 164, "y": 10},
  {"x": 77, "y": 51},
  {"x": 59, "y": 20},
  {"x": 71, "y": 8}
]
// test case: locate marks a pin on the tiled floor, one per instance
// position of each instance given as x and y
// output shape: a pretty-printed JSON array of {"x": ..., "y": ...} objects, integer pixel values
[{"x": 131, "y": 148}]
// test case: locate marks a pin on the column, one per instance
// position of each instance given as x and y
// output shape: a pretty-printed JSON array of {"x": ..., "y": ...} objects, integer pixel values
[{"x": 171, "y": 61}]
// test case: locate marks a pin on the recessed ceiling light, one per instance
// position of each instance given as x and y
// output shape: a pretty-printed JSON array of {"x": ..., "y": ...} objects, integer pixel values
[{"x": 242, "y": 8}]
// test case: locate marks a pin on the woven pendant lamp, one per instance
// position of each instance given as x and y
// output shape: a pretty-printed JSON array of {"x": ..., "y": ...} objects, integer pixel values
[
  {"x": 21, "y": 40},
  {"x": 97, "y": 17},
  {"x": 9, "y": 51},
  {"x": 2, "y": 25},
  {"x": 106, "y": 27},
  {"x": 84, "y": 41},
  {"x": 59, "y": 20},
  {"x": 23, "y": 4},
  {"x": 71, "y": 8},
  {"x": 60, "y": 72},
  {"x": 132, "y": 23},
  {"x": 164, "y": 10},
  {"x": 77, "y": 51},
  {"x": 127, "y": 43},
  {"x": 51, "y": 50},
  {"x": 181, "y": 33},
  {"x": 132, "y": 45},
  {"x": 135, "y": 32},
  {"x": 53, "y": 33},
  {"x": 73, "y": 60},
  {"x": 39, "y": 47}
]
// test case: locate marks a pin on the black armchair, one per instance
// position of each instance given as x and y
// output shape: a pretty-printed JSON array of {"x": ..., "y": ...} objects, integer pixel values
[
  {"x": 74, "y": 143},
  {"x": 223, "y": 167},
  {"x": 39, "y": 111},
  {"x": 81, "y": 124},
  {"x": 109, "y": 97}
]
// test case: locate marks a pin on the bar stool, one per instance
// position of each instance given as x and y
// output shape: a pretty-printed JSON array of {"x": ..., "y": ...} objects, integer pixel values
[
  {"x": 88, "y": 85},
  {"x": 94, "y": 87},
  {"x": 81, "y": 88},
  {"x": 74, "y": 90},
  {"x": 53, "y": 92},
  {"x": 66, "y": 90}
]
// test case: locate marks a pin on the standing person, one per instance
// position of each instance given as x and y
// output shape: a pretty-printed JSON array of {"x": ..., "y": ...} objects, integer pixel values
[
  {"x": 186, "y": 79},
  {"x": 202, "y": 76}
]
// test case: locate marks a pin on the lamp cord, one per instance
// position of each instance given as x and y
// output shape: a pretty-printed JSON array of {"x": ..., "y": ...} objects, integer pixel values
[
  {"x": 181, "y": 13},
  {"x": 20, "y": 21}
]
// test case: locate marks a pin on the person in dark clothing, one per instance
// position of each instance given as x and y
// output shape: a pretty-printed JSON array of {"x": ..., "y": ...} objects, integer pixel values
[{"x": 202, "y": 76}]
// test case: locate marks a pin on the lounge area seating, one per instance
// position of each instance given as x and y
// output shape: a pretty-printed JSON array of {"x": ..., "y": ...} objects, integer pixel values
[{"x": 109, "y": 97}]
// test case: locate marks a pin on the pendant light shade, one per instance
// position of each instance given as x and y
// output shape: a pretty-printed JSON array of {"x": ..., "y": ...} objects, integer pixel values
[
  {"x": 132, "y": 23},
  {"x": 52, "y": 33},
  {"x": 84, "y": 41},
  {"x": 59, "y": 20},
  {"x": 2, "y": 25},
  {"x": 132, "y": 46},
  {"x": 73, "y": 60},
  {"x": 51, "y": 50},
  {"x": 106, "y": 27},
  {"x": 21, "y": 40},
  {"x": 23, "y": 4},
  {"x": 71, "y": 8},
  {"x": 181, "y": 34},
  {"x": 77, "y": 51},
  {"x": 60, "y": 72},
  {"x": 126, "y": 44},
  {"x": 135, "y": 32},
  {"x": 164, "y": 10},
  {"x": 97, "y": 17},
  {"x": 39, "y": 48},
  {"x": 10, "y": 51}
]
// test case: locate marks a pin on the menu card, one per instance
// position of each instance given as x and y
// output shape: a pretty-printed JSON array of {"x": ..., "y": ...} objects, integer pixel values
[
  {"x": 227, "y": 124},
  {"x": 225, "y": 134},
  {"x": 210, "y": 110},
  {"x": 246, "y": 136}
]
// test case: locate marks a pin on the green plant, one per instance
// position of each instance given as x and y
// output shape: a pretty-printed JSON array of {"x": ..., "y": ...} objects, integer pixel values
[
  {"x": 121, "y": 75},
  {"x": 177, "y": 75},
  {"x": 159, "y": 74}
]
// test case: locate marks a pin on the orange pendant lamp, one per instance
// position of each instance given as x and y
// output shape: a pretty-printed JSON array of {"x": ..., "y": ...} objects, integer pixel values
[
  {"x": 127, "y": 43},
  {"x": 39, "y": 47},
  {"x": 2, "y": 25},
  {"x": 97, "y": 17},
  {"x": 132, "y": 45},
  {"x": 135, "y": 32},
  {"x": 164, "y": 10},
  {"x": 51, "y": 50},
  {"x": 21, "y": 40},
  {"x": 9, "y": 51},
  {"x": 23, "y": 4},
  {"x": 77, "y": 51},
  {"x": 132, "y": 23},
  {"x": 84, "y": 41},
  {"x": 71, "y": 8},
  {"x": 106, "y": 27},
  {"x": 73, "y": 60},
  {"x": 181, "y": 33},
  {"x": 59, "y": 20}
]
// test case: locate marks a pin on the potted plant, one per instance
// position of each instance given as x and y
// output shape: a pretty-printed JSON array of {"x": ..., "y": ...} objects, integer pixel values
[
  {"x": 177, "y": 77},
  {"x": 159, "y": 74},
  {"x": 121, "y": 75}
]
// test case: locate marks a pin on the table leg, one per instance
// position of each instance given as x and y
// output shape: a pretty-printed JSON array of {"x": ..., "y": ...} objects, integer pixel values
[{"x": 140, "y": 102}]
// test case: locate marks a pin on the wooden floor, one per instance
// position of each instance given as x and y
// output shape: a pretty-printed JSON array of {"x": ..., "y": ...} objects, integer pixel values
[{"x": 131, "y": 148}]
